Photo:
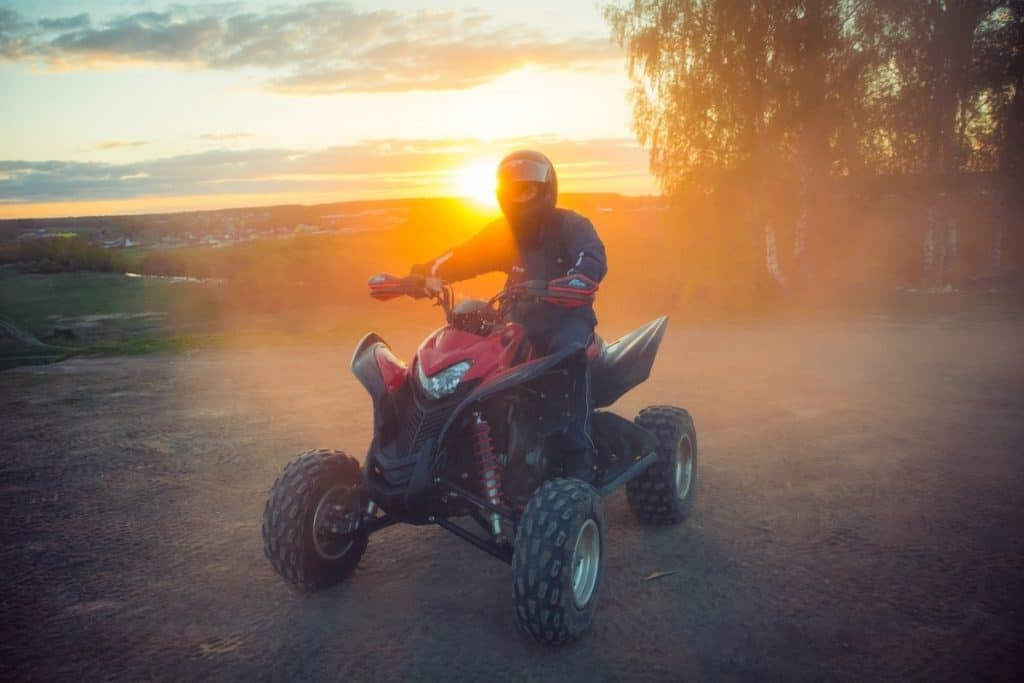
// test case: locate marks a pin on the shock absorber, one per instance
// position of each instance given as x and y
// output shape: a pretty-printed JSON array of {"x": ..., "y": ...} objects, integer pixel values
[{"x": 487, "y": 464}]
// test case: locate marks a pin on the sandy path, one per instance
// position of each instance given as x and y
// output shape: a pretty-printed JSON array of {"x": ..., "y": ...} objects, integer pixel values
[{"x": 858, "y": 516}]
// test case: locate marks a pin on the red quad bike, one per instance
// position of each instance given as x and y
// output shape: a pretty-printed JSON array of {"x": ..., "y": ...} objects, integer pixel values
[{"x": 469, "y": 433}]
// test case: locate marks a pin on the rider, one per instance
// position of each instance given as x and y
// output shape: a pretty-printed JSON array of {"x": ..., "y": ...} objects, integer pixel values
[{"x": 537, "y": 241}]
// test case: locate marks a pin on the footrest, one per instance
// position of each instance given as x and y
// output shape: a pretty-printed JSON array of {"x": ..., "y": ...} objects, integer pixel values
[{"x": 635, "y": 469}]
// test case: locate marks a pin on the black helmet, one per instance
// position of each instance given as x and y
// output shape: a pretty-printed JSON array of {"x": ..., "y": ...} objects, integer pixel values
[{"x": 527, "y": 188}]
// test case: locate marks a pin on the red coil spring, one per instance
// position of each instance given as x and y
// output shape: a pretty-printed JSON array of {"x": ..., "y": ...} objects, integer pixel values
[{"x": 487, "y": 461}]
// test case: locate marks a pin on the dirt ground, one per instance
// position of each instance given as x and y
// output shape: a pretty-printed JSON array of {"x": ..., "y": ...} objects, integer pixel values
[{"x": 858, "y": 517}]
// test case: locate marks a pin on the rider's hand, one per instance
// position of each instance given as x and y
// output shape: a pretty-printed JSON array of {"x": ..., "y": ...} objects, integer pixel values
[
  {"x": 415, "y": 286},
  {"x": 433, "y": 285},
  {"x": 419, "y": 286}
]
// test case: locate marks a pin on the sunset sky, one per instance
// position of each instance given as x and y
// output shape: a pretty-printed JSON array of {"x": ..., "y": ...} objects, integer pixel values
[{"x": 123, "y": 106}]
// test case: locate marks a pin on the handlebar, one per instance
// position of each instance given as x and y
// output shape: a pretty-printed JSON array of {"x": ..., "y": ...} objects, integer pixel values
[
  {"x": 528, "y": 290},
  {"x": 385, "y": 286},
  {"x": 568, "y": 292}
]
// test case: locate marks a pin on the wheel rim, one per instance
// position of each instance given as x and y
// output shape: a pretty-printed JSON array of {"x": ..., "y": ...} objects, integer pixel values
[
  {"x": 335, "y": 520},
  {"x": 684, "y": 467},
  {"x": 586, "y": 559}
]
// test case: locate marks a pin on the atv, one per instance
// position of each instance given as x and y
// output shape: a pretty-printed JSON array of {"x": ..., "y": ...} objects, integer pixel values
[{"x": 469, "y": 434}]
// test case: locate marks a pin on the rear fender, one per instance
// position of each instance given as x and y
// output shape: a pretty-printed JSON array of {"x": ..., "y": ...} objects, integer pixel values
[{"x": 625, "y": 363}]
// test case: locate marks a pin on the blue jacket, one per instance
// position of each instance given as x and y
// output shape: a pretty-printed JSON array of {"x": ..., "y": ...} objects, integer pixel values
[{"x": 565, "y": 243}]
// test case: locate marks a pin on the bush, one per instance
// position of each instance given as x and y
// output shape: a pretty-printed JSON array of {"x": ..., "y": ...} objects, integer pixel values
[{"x": 62, "y": 254}]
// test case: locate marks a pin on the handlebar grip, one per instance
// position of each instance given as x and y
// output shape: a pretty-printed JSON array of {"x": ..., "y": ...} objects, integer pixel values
[{"x": 385, "y": 286}]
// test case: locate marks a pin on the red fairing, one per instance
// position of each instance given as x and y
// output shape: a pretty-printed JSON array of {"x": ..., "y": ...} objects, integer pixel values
[
  {"x": 489, "y": 355},
  {"x": 392, "y": 370}
]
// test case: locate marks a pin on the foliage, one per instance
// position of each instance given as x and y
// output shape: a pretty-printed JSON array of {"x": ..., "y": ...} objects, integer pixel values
[
  {"x": 61, "y": 254},
  {"x": 723, "y": 87},
  {"x": 778, "y": 126}
]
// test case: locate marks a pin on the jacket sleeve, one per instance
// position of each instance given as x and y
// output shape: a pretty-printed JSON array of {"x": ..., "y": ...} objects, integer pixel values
[
  {"x": 483, "y": 253},
  {"x": 586, "y": 251}
]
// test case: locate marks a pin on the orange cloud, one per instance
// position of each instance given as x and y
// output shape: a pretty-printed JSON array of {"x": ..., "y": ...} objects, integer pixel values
[
  {"x": 219, "y": 137},
  {"x": 119, "y": 144}
]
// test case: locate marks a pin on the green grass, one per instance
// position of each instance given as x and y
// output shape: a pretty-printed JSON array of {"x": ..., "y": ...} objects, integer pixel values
[
  {"x": 29, "y": 300},
  {"x": 14, "y": 355},
  {"x": 32, "y": 302},
  {"x": 194, "y": 315}
]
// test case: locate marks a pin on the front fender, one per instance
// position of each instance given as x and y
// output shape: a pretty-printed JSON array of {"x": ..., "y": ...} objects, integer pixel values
[
  {"x": 365, "y": 368},
  {"x": 382, "y": 374},
  {"x": 377, "y": 368}
]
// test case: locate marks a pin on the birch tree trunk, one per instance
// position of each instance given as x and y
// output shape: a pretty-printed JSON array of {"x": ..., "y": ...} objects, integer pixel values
[
  {"x": 928, "y": 251},
  {"x": 771, "y": 255},
  {"x": 995, "y": 265},
  {"x": 949, "y": 252}
]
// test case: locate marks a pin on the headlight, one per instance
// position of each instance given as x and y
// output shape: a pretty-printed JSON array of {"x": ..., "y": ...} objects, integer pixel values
[{"x": 442, "y": 383}]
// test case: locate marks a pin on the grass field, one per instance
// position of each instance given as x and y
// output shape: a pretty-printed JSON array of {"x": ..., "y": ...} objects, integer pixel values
[
  {"x": 33, "y": 301},
  {"x": 312, "y": 289},
  {"x": 112, "y": 314},
  {"x": 121, "y": 314}
]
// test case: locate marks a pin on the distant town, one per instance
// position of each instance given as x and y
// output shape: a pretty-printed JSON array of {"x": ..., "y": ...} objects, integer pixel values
[
  {"x": 227, "y": 227},
  {"x": 211, "y": 228}
]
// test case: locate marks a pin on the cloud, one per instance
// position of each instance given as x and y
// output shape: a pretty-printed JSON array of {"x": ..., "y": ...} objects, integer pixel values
[
  {"x": 312, "y": 48},
  {"x": 119, "y": 144},
  {"x": 411, "y": 167},
  {"x": 221, "y": 137},
  {"x": 15, "y": 35},
  {"x": 77, "y": 22}
]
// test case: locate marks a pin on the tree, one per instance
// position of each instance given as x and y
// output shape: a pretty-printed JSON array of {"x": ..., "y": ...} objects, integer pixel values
[
  {"x": 942, "y": 102},
  {"x": 740, "y": 99},
  {"x": 757, "y": 101}
]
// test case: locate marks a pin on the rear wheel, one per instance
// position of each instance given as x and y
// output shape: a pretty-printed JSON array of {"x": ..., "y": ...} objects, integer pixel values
[
  {"x": 558, "y": 561},
  {"x": 663, "y": 494},
  {"x": 311, "y": 522}
]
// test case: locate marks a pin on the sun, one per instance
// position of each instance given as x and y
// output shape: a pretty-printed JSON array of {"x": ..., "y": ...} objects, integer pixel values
[{"x": 477, "y": 182}]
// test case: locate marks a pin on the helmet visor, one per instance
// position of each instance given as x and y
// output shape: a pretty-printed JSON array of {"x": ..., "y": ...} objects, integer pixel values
[
  {"x": 519, "y": 193},
  {"x": 522, "y": 171}
]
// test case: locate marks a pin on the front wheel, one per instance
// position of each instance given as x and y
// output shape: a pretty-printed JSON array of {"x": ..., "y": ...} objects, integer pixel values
[
  {"x": 311, "y": 522},
  {"x": 663, "y": 494},
  {"x": 558, "y": 561}
]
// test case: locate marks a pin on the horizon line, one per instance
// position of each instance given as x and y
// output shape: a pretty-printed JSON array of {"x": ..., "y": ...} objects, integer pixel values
[{"x": 377, "y": 200}]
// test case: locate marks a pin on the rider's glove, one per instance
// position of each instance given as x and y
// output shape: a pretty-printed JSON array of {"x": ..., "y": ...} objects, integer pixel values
[
  {"x": 433, "y": 285},
  {"x": 571, "y": 291},
  {"x": 419, "y": 286},
  {"x": 415, "y": 286}
]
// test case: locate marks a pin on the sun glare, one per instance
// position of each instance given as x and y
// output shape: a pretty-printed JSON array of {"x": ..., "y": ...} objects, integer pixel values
[{"x": 477, "y": 181}]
